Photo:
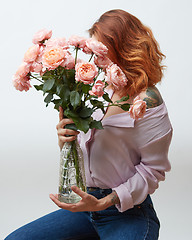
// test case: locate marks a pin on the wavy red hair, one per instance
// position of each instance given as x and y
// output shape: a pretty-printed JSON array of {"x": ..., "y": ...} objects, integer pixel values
[{"x": 132, "y": 47}]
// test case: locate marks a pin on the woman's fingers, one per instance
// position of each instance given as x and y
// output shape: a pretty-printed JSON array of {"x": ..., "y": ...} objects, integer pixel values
[
  {"x": 63, "y": 122},
  {"x": 63, "y": 132},
  {"x": 67, "y": 139},
  {"x": 67, "y": 206},
  {"x": 60, "y": 113},
  {"x": 56, "y": 201},
  {"x": 79, "y": 192}
]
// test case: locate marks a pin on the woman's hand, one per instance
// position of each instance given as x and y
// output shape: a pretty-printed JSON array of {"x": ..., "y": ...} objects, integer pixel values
[
  {"x": 61, "y": 131},
  {"x": 88, "y": 202}
]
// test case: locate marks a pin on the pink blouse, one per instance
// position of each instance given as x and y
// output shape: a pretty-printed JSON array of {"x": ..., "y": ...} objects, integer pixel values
[{"x": 130, "y": 156}]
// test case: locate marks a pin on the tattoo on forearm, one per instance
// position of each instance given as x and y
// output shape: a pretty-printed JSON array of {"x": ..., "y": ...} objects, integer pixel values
[
  {"x": 153, "y": 98},
  {"x": 114, "y": 198}
]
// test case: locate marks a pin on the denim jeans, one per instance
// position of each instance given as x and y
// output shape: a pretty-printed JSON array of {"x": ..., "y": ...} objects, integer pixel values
[{"x": 138, "y": 223}]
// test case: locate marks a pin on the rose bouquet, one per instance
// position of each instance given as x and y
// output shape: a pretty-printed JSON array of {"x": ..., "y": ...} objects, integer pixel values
[{"x": 75, "y": 85}]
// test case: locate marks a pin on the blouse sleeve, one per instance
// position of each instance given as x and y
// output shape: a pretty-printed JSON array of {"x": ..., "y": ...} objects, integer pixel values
[{"x": 150, "y": 170}]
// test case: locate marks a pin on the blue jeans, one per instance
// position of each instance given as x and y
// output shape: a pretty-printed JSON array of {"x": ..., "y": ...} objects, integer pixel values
[{"x": 138, "y": 223}]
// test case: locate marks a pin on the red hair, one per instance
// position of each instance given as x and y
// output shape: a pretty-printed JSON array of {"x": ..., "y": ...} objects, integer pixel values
[{"x": 132, "y": 46}]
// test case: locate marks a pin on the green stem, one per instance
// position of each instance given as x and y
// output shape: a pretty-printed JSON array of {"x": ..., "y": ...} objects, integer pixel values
[
  {"x": 65, "y": 170},
  {"x": 79, "y": 177},
  {"x": 77, "y": 86},
  {"x": 98, "y": 74},
  {"x": 91, "y": 57},
  {"x": 76, "y": 163},
  {"x": 119, "y": 105},
  {"x": 36, "y": 78},
  {"x": 76, "y": 54}
]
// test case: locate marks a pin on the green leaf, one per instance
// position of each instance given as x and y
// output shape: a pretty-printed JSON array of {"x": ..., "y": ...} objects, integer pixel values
[
  {"x": 64, "y": 93},
  {"x": 82, "y": 124},
  {"x": 85, "y": 88},
  {"x": 125, "y": 106},
  {"x": 38, "y": 87},
  {"x": 48, "y": 98},
  {"x": 58, "y": 89},
  {"x": 47, "y": 75},
  {"x": 106, "y": 97},
  {"x": 69, "y": 78},
  {"x": 85, "y": 112},
  {"x": 57, "y": 103},
  {"x": 75, "y": 99},
  {"x": 96, "y": 124},
  {"x": 65, "y": 81},
  {"x": 48, "y": 84},
  {"x": 70, "y": 74},
  {"x": 96, "y": 103},
  {"x": 124, "y": 98},
  {"x": 70, "y": 114}
]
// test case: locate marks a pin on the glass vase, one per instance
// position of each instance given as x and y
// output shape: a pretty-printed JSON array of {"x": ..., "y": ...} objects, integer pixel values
[{"x": 71, "y": 172}]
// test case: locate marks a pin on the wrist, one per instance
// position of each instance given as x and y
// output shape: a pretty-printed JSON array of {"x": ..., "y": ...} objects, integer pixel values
[
  {"x": 110, "y": 200},
  {"x": 105, "y": 202}
]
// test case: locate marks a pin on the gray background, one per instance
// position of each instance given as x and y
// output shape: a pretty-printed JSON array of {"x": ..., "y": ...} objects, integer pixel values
[{"x": 29, "y": 155}]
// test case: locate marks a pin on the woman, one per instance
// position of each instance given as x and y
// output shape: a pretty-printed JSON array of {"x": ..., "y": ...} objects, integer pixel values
[{"x": 125, "y": 161}]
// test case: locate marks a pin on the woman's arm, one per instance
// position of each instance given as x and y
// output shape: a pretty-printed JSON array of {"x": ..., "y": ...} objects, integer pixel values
[
  {"x": 149, "y": 172},
  {"x": 153, "y": 142}
]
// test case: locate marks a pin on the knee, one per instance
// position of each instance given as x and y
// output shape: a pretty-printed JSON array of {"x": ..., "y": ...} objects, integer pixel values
[
  {"x": 17, "y": 235},
  {"x": 11, "y": 236}
]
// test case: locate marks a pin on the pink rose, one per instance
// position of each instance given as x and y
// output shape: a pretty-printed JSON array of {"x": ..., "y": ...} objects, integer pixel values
[
  {"x": 41, "y": 35},
  {"x": 77, "y": 41},
  {"x": 21, "y": 84},
  {"x": 40, "y": 55},
  {"x": 85, "y": 72},
  {"x": 43, "y": 71},
  {"x": 69, "y": 62},
  {"x": 23, "y": 70},
  {"x": 36, "y": 67},
  {"x": 53, "y": 57},
  {"x": 115, "y": 76},
  {"x": 102, "y": 62},
  {"x": 97, "y": 89},
  {"x": 98, "y": 48},
  {"x": 137, "y": 110},
  {"x": 57, "y": 42},
  {"x": 86, "y": 50},
  {"x": 31, "y": 54}
]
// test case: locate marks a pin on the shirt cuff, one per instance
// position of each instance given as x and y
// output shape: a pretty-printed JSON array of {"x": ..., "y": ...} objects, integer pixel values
[{"x": 126, "y": 200}]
